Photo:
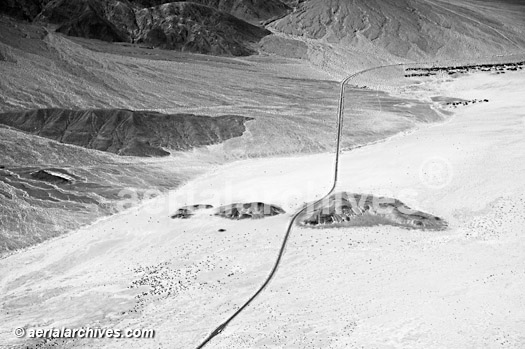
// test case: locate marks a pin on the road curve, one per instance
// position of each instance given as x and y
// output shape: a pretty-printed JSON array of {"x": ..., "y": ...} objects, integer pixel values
[{"x": 340, "y": 112}]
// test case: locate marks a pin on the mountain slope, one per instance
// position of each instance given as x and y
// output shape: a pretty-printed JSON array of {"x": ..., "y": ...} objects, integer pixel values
[
  {"x": 375, "y": 32},
  {"x": 92, "y": 25}
]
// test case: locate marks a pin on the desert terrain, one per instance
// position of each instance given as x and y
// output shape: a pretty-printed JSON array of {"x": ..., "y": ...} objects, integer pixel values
[
  {"x": 155, "y": 157},
  {"x": 374, "y": 286}
]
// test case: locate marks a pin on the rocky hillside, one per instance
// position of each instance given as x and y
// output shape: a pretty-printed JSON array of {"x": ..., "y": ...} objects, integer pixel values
[
  {"x": 87, "y": 19},
  {"x": 125, "y": 132},
  {"x": 23, "y": 9},
  {"x": 196, "y": 28},
  {"x": 350, "y": 35},
  {"x": 209, "y": 27},
  {"x": 252, "y": 11}
]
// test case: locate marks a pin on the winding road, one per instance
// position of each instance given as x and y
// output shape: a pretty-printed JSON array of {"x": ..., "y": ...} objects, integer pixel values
[
  {"x": 273, "y": 272},
  {"x": 340, "y": 112},
  {"x": 340, "y": 117}
]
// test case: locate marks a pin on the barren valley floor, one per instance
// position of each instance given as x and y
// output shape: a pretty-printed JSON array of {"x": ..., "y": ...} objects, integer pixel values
[{"x": 350, "y": 287}]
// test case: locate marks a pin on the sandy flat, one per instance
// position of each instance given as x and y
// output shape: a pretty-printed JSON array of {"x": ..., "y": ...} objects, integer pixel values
[{"x": 375, "y": 287}]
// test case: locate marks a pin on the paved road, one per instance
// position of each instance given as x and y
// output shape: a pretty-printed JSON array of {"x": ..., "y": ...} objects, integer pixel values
[{"x": 340, "y": 112}]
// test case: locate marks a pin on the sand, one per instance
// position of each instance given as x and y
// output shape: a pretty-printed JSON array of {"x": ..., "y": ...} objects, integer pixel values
[{"x": 380, "y": 287}]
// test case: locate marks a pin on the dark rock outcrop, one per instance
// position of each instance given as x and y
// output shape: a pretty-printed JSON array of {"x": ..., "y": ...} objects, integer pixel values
[
  {"x": 348, "y": 209},
  {"x": 252, "y": 210},
  {"x": 63, "y": 11},
  {"x": 91, "y": 26},
  {"x": 22, "y": 9},
  {"x": 126, "y": 132},
  {"x": 90, "y": 19},
  {"x": 192, "y": 27},
  {"x": 188, "y": 211},
  {"x": 252, "y": 11},
  {"x": 292, "y": 3},
  {"x": 49, "y": 176}
]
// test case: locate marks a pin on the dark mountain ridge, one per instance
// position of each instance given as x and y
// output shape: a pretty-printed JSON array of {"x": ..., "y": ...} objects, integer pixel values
[
  {"x": 219, "y": 27},
  {"x": 126, "y": 132},
  {"x": 192, "y": 27},
  {"x": 337, "y": 32},
  {"x": 26, "y": 10},
  {"x": 252, "y": 11}
]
